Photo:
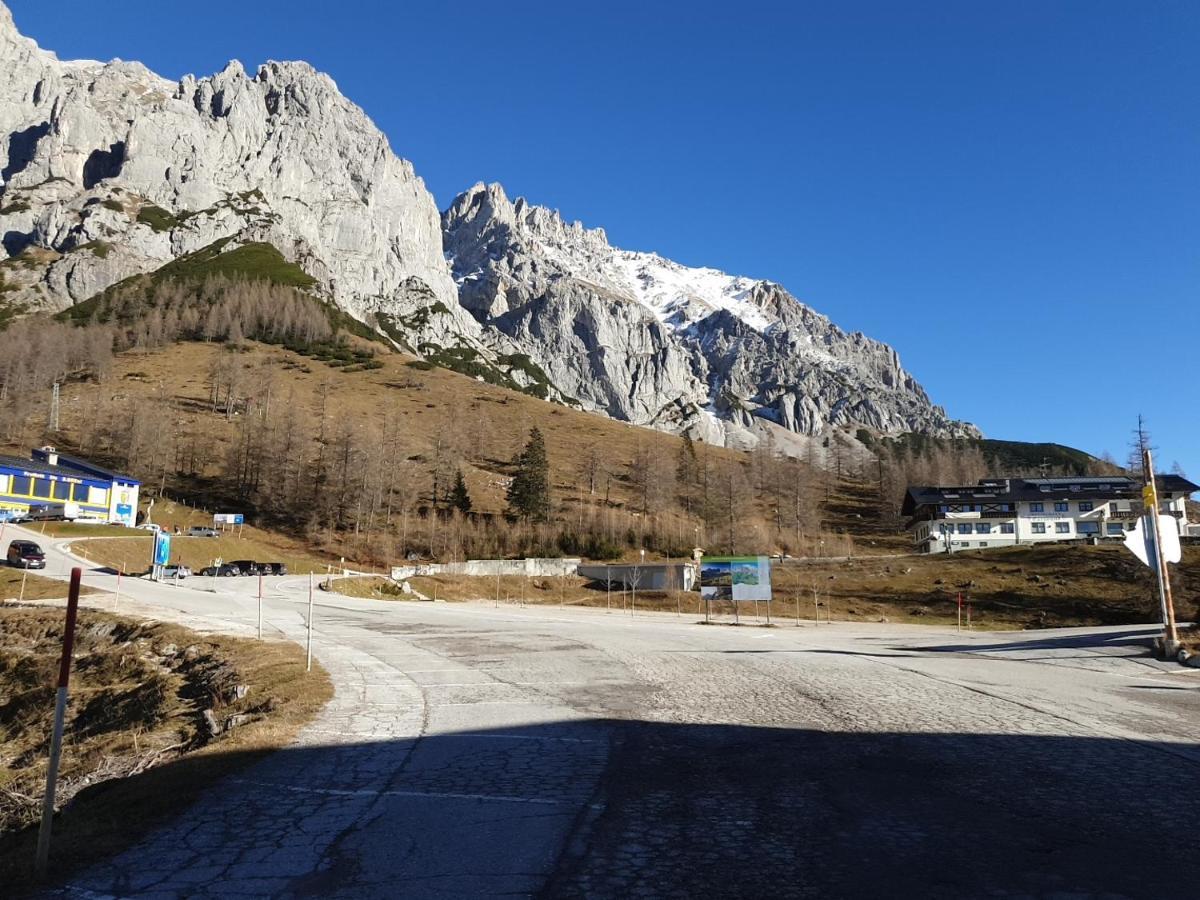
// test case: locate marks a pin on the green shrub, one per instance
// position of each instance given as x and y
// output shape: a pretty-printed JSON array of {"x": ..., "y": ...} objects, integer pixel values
[{"x": 157, "y": 218}]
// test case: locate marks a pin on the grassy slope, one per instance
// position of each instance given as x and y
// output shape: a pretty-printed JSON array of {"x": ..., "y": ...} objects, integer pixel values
[
  {"x": 36, "y": 587},
  {"x": 137, "y": 693},
  {"x": 428, "y": 401},
  {"x": 1021, "y": 587},
  {"x": 1010, "y": 587},
  {"x": 253, "y": 261},
  {"x": 133, "y": 554}
]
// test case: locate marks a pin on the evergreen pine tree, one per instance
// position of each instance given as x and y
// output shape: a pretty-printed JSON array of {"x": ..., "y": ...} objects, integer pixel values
[
  {"x": 529, "y": 494},
  {"x": 460, "y": 499}
]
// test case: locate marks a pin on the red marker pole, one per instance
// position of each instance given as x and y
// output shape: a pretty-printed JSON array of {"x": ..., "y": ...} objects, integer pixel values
[{"x": 60, "y": 711}]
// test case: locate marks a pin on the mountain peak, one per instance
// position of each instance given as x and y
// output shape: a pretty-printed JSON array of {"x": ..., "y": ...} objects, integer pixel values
[
  {"x": 8, "y": 28},
  {"x": 10, "y": 37}
]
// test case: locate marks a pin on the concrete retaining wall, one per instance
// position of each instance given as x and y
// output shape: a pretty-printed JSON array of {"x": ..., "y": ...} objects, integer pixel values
[
  {"x": 646, "y": 577},
  {"x": 534, "y": 568}
]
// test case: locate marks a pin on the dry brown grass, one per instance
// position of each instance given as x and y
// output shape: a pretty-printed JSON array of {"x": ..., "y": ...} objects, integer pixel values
[
  {"x": 133, "y": 554},
  {"x": 36, "y": 586},
  {"x": 136, "y": 747},
  {"x": 376, "y": 587},
  {"x": 491, "y": 420},
  {"x": 1021, "y": 587},
  {"x": 1031, "y": 586}
]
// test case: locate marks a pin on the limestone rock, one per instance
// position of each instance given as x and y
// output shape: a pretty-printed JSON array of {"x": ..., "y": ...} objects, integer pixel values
[
  {"x": 644, "y": 339},
  {"x": 108, "y": 170}
]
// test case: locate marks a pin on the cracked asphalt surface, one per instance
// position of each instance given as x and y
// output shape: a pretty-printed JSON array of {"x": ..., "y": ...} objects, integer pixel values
[{"x": 473, "y": 750}]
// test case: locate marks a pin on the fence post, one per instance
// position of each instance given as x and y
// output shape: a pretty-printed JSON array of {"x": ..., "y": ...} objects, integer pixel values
[{"x": 60, "y": 711}]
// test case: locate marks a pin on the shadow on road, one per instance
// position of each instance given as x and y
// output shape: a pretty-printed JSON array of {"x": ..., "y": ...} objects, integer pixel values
[
  {"x": 1132, "y": 637},
  {"x": 612, "y": 808}
]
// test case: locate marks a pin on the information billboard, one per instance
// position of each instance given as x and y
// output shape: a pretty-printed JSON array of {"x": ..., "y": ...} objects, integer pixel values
[
  {"x": 735, "y": 578},
  {"x": 162, "y": 548}
]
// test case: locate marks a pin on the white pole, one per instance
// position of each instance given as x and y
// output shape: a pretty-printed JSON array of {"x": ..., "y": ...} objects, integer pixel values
[
  {"x": 24, "y": 575},
  {"x": 308, "y": 664},
  {"x": 117, "y": 598},
  {"x": 260, "y": 606}
]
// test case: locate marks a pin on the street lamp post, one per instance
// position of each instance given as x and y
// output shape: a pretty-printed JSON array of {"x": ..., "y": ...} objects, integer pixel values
[{"x": 637, "y": 573}]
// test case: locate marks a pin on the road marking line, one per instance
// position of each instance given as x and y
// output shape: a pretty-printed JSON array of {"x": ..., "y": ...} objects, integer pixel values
[{"x": 434, "y": 795}]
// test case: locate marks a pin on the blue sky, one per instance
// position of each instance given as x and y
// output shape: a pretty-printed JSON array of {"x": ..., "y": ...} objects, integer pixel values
[{"x": 1006, "y": 192}]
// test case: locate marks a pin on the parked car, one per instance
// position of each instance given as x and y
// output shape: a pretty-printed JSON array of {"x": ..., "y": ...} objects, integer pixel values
[
  {"x": 54, "y": 512},
  {"x": 176, "y": 571},
  {"x": 246, "y": 566},
  {"x": 222, "y": 571},
  {"x": 272, "y": 568},
  {"x": 202, "y": 531},
  {"x": 150, "y": 526},
  {"x": 26, "y": 555}
]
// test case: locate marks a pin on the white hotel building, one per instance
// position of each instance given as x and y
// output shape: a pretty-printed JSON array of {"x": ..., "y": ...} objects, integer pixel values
[{"x": 1001, "y": 512}]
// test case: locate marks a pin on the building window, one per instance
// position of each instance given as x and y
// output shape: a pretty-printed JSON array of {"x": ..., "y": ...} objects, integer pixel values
[
  {"x": 1086, "y": 506},
  {"x": 1129, "y": 526},
  {"x": 20, "y": 485},
  {"x": 1062, "y": 506},
  {"x": 964, "y": 528},
  {"x": 983, "y": 527},
  {"x": 62, "y": 490},
  {"x": 1007, "y": 528},
  {"x": 1087, "y": 527},
  {"x": 1039, "y": 527},
  {"x": 1062, "y": 527},
  {"x": 41, "y": 488},
  {"x": 1114, "y": 528},
  {"x": 1037, "y": 507}
]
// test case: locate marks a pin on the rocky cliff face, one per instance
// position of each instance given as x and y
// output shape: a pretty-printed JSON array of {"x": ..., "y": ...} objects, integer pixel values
[
  {"x": 109, "y": 170},
  {"x": 644, "y": 339}
]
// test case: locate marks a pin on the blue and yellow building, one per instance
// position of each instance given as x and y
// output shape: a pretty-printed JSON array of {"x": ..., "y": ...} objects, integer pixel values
[{"x": 50, "y": 477}]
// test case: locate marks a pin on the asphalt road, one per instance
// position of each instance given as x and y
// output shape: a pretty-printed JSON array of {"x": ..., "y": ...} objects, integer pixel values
[{"x": 473, "y": 750}]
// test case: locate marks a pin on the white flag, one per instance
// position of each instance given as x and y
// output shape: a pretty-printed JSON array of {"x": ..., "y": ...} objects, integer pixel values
[{"x": 1140, "y": 541}]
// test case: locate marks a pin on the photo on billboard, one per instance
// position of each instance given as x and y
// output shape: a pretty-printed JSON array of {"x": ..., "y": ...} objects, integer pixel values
[
  {"x": 716, "y": 579},
  {"x": 735, "y": 578}
]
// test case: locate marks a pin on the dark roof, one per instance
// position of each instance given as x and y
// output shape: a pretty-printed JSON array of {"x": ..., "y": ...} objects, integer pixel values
[
  {"x": 82, "y": 466},
  {"x": 33, "y": 465},
  {"x": 1010, "y": 490},
  {"x": 68, "y": 467},
  {"x": 1176, "y": 484}
]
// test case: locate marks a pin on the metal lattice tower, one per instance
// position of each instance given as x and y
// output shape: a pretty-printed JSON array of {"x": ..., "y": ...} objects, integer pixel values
[{"x": 54, "y": 408}]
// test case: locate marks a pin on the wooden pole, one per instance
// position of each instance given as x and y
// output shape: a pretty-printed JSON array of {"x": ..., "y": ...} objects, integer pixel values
[
  {"x": 1170, "y": 633},
  {"x": 60, "y": 711}
]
